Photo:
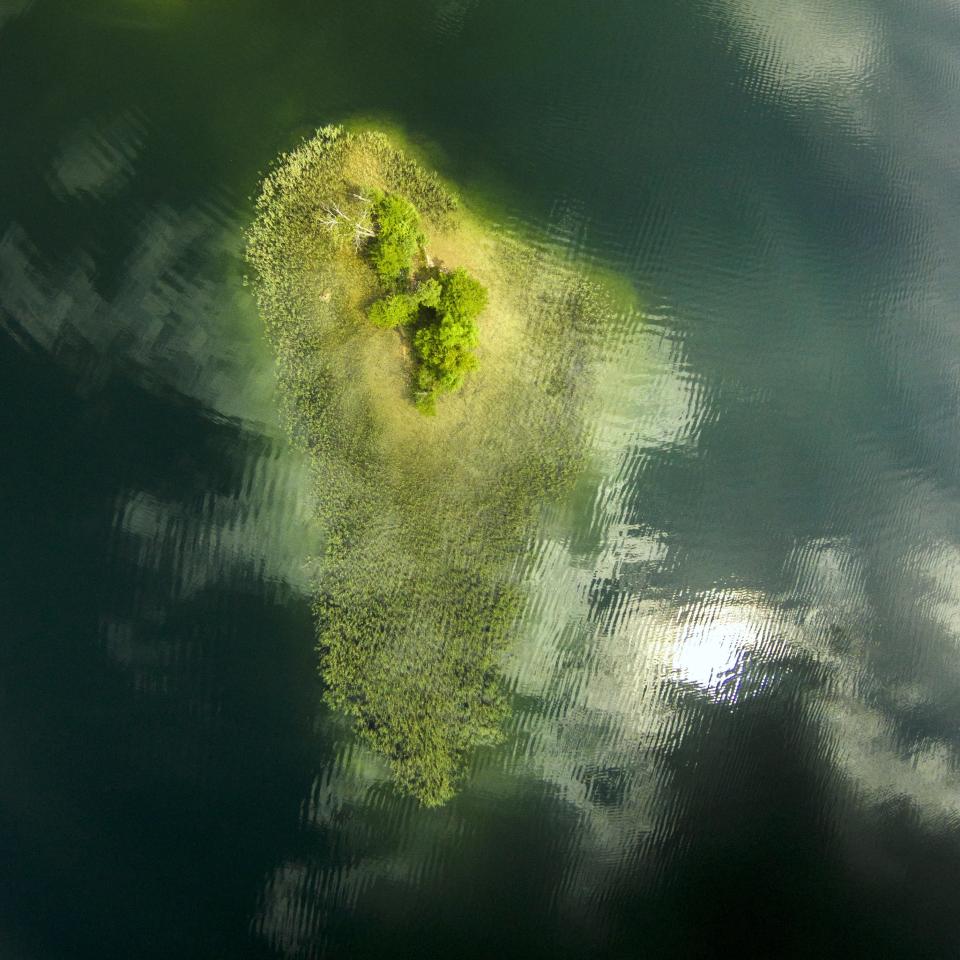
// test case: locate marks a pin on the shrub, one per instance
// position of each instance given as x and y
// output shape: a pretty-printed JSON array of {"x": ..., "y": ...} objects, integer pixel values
[
  {"x": 445, "y": 347},
  {"x": 397, "y": 239},
  {"x": 428, "y": 293},
  {"x": 462, "y": 296},
  {"x": 445, "y": 339},
  {"x": 394, "y": 311},
  {"x": 400, "y": 309}
]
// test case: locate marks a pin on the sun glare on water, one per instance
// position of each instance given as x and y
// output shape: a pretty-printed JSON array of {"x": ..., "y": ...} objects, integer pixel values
[{"x": 709, "y": 652}]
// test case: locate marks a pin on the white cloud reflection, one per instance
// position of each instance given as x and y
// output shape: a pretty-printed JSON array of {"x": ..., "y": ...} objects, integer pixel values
[{"x": 809, "y": 51}]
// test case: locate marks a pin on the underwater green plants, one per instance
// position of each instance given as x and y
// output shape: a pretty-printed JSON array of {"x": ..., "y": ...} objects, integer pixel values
[{"x": 418, "y": 591}]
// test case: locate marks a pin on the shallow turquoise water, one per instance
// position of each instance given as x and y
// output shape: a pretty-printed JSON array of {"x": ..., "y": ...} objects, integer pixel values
[{"x": 735, "y": 708}]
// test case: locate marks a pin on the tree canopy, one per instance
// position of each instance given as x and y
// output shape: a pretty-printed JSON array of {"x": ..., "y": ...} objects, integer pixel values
[
  {"x": 445, "y": 346},
  {"x": 397, "y": 238},
  {"x": 441, "y": 309}
]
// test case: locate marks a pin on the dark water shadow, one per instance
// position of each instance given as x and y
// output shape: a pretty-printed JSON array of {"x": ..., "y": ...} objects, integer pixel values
[
  {"x": 146, "y": 784},
  {"x": 811, "y": 873}
]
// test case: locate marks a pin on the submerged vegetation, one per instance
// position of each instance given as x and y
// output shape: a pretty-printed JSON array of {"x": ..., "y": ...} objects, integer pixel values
[{"x": 425, "y": 518}]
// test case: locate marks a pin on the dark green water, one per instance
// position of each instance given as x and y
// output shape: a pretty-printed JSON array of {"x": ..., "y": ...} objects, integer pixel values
[{"x": 736, "y": 699}]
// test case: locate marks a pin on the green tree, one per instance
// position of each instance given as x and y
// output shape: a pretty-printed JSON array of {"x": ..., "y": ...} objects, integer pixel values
[
  {"x": 401, "y": 309},
  {"x": 428, "y": 292},
  {"x": 398, "y": 237},
  {"x": 445, "y": 346},
  {"x": 462, "y": 295},
  {"x": 442, "y": 309},
  {"x": 397, "y": 310}
]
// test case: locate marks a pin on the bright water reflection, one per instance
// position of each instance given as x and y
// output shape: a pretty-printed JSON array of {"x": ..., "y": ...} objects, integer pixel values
[{"x": 735, "y": 693}]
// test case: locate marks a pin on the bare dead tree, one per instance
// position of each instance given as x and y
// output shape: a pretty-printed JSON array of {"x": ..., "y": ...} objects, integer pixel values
[{"x": 332, "y": 217}]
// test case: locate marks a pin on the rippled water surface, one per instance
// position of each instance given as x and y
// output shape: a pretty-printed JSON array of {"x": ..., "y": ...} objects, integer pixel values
[{"x": 736, "y": 691}]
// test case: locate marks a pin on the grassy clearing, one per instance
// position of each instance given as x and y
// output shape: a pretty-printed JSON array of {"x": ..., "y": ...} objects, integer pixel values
[{"x": 425, "y": 517}]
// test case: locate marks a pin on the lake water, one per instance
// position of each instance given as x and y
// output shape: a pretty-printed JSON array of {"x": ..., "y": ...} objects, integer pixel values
[{"x": 736, "y": 694}]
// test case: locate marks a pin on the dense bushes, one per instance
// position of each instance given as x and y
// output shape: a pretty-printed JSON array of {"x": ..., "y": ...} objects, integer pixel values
[
  {"x": 442, "y": 310},
  {"x": 402, "y": 309},
  {"x": 397, "y": 238},
  {"x": 445, "y": 346},
  {"x": 397, "y": 310}
]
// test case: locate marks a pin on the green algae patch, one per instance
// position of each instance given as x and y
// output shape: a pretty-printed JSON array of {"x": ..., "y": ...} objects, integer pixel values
[{"x": 426, "y": 518}]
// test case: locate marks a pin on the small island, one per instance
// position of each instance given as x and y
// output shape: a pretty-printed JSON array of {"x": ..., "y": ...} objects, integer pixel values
[{"x": 435, "y": 369}]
